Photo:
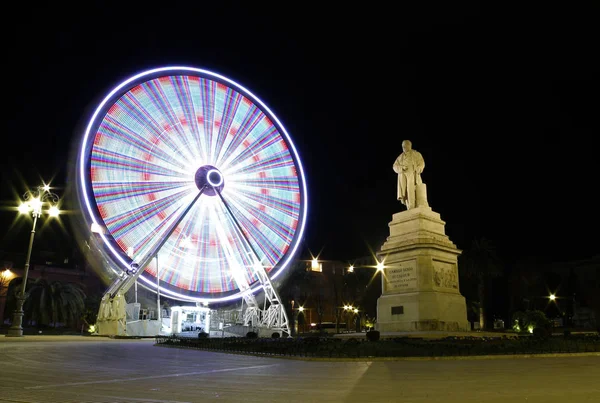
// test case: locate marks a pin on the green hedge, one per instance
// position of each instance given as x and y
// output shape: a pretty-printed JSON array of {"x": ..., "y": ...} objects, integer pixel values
[{"x": 315, "y": 346}]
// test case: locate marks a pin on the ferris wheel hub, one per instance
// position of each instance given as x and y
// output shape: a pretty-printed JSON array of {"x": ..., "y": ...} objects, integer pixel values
[{"x": 209, "y": 178}]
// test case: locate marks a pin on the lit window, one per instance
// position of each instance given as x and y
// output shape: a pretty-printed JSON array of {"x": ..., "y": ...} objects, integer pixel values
[{"x": 315, "y": 265}]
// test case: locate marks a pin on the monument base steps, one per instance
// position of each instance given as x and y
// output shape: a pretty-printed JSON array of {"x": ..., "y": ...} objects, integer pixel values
[{"x": 420, "y": 278}]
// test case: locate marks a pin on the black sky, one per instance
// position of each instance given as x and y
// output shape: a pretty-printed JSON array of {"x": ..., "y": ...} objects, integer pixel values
[{"x": 502, "y": 103}]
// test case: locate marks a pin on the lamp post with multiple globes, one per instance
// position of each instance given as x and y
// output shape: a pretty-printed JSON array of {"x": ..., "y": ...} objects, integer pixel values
[{"x": 34, "y": 202}]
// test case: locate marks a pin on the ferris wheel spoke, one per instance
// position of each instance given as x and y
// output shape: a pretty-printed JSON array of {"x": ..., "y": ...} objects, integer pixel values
[
  {"x": 150, "y": 254},
  {"x": 240, "y": 229},
  {"x": 273, "y": 206},
  {"x": 137, "y": 110},
  {"x": 207, "y": 97},
  {"x": 181, "y": 248},
  {"x": 264, "y": 144},
  {"x": 236, "y": 257},
  {"x": 283, "y": 186},
  {"x": 109, "y": 162},
  {"x": 162, "y": 95},
  {"x": 225, "y": 115},
  {"x": 254, "y": 233},
  {"x": 188, "y": 96},
  {"x": 278, "y": 226},
  {"x": 137, "y": 135},
  {"x": 252, "y": 117},
  {"x": 124, "y": 222},
  {"x": 113, "y": 191},
  {"x": 273, "y": 163},
  {"x": 139, "y": 163}
]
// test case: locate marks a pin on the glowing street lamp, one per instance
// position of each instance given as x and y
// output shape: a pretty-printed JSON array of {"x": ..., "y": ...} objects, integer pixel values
[
  {"x": 5, "y": 277},
  {"x": 552, "y": 297},
  {"x": 33, "y": 202}
]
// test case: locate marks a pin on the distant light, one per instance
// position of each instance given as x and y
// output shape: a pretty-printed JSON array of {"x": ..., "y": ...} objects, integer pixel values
[
  {"x": 53, "y": 211},
  {"x": 380, "y": 266},
  {"x": 23, "y": 208},
  {"x": 355, "y": 310},
  {"x": 552, "y": 297},
  {"x": 46, "y": 188},
  {"x": 314, "y": 264},
  {"x": 351, "y": 269},
  {"x": 301, "y": 308}
]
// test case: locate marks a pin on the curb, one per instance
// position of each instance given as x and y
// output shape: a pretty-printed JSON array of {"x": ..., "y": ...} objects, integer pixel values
[{"x": 368, "y": 359}]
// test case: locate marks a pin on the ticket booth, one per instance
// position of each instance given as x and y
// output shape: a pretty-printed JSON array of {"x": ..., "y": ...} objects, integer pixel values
[{"x": 187, "y": 319}]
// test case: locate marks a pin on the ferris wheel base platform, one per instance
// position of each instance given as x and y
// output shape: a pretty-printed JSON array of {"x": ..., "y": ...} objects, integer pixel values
[{"x": 141, "y": 328}]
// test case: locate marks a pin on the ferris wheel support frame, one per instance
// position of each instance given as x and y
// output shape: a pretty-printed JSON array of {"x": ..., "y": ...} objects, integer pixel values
[
  {"x": 133, "y": 274},
  {"x": 272, "y": 316}
]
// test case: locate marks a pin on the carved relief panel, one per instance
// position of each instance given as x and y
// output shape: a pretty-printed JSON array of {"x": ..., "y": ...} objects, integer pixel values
[{"x": 445, "y": 275}]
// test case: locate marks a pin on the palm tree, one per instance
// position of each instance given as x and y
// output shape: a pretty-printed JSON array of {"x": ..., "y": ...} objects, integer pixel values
[
  {"x": 13, "y": 288},
  {"x": 481, "y": 263},
  {"x": 55, "y": 302},
  {"x": 293, "y": 288}
]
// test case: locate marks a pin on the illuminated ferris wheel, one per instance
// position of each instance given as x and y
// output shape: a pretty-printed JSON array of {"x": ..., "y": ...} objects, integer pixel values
[{"x": 198, "y": 188}]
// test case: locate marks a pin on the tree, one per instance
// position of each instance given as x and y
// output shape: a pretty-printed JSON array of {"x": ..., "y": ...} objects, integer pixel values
[
  {"x": 91, "y": 308},
  {"x": 481, "y": 263},
  {"x": 12, "y": 289},
  {"x": 293, "y": 287},
  {"x": 55, "y": 302},
  {"x": 4, "y": 281}
]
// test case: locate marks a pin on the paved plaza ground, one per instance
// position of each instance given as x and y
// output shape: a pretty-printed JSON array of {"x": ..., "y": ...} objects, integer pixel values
[{"x": 97, "y": 369}]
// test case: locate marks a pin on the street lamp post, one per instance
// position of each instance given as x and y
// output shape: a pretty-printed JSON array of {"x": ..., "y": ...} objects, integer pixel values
[{"x": 33, "y": 201}]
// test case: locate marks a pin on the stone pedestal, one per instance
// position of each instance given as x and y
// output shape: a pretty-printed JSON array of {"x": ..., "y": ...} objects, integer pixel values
[{"x": 420, "y": 278}]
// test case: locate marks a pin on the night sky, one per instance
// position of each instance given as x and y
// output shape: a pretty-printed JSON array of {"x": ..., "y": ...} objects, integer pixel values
[{"x": 501, "y": 102}]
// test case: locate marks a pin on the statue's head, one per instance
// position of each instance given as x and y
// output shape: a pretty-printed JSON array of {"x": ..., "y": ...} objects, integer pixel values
[{"x": 406, "y": 145}]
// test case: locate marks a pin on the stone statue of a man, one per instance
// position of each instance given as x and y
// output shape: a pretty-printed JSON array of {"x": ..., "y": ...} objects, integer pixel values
[{"x": 409, "y": 165}]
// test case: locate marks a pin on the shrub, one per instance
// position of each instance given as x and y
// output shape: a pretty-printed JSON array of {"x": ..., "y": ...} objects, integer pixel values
[
  {"x": 202, "y": 335},
  {"x": 373, "y": 335},
  {"x": 519, "y": 320},
  {"x": 541, "y": 332},
  {"x": 311, "y": 340},
  {"x": 275, "y": 335},
  {"x": 525, "y": 322},
  {"x": 251, "y": 335}
]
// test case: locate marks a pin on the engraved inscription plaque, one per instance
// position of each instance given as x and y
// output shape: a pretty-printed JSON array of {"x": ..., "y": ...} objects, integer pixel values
[{"x": 401, "y": 276}]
